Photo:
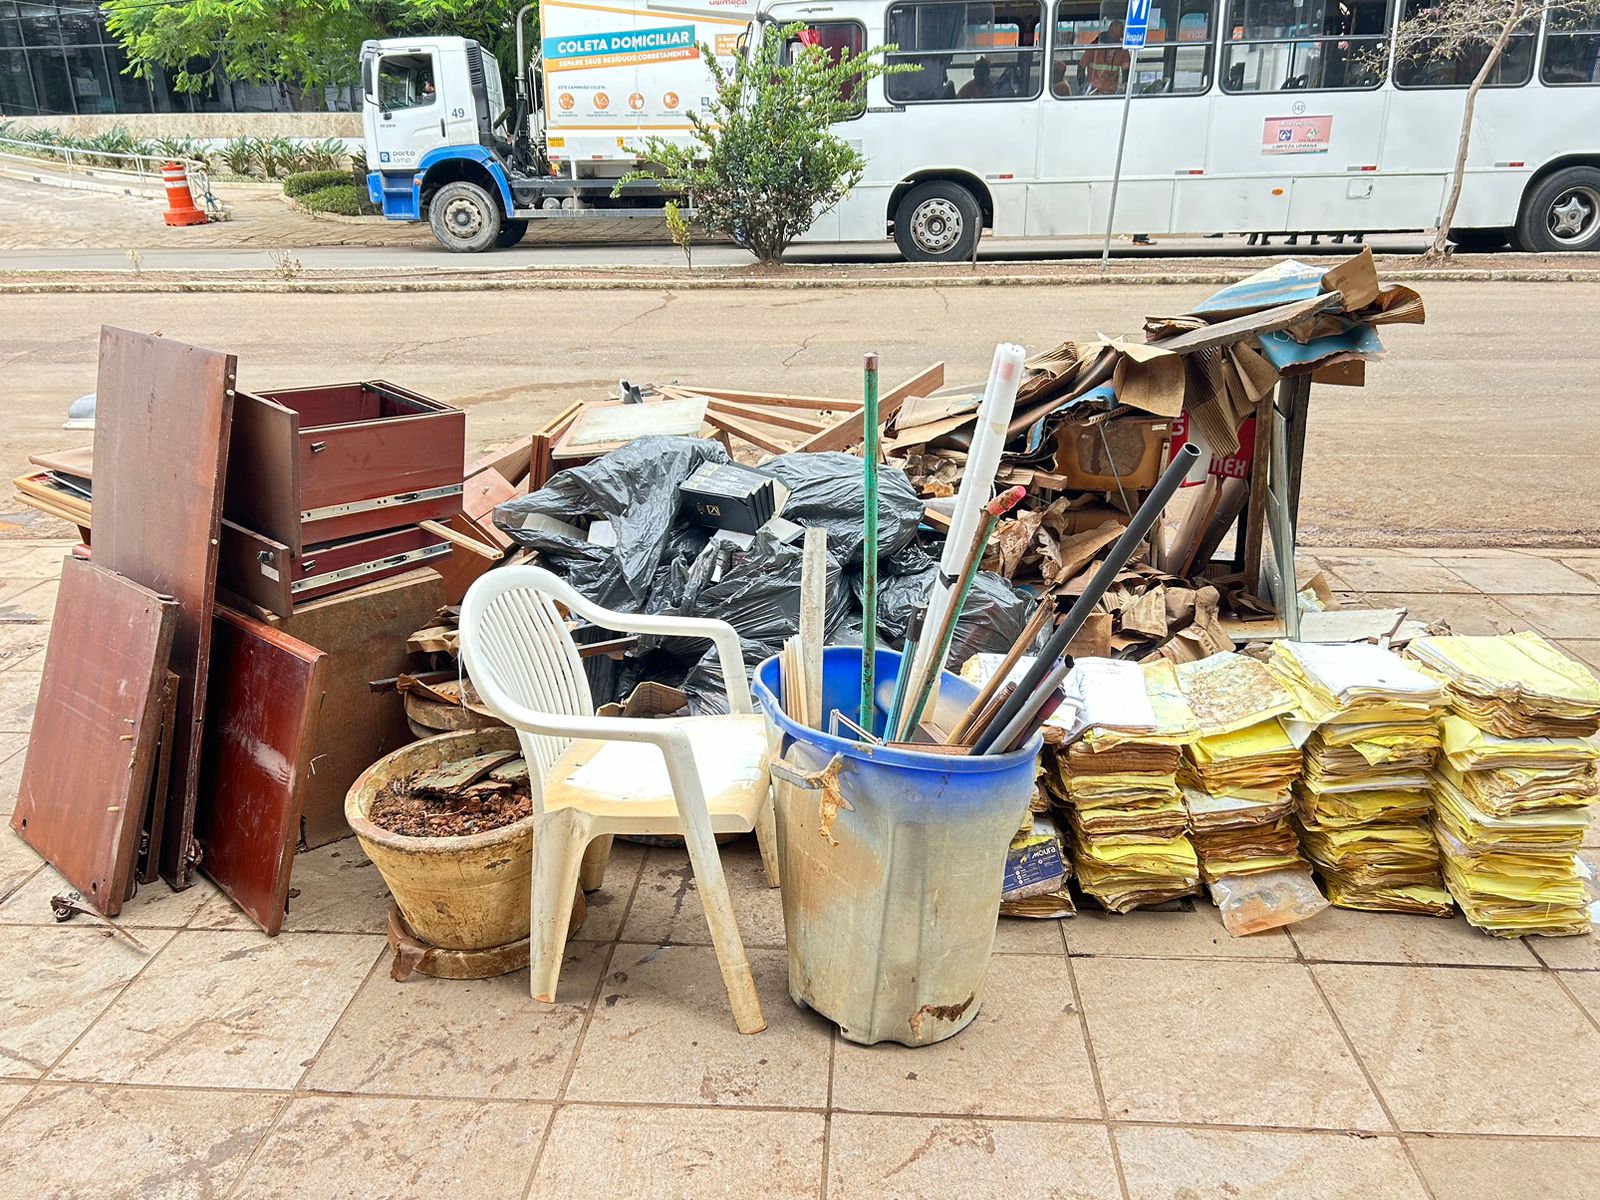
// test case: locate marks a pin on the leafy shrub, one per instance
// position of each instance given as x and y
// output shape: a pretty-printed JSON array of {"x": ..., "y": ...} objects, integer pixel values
[
  {"x": 182, "y": 148},
  {"x": 304, "y": 183},
  {"x": 342, "y": 199},
  {"x": 239, "y": 155},
  {"x": 325, "y": 155}
]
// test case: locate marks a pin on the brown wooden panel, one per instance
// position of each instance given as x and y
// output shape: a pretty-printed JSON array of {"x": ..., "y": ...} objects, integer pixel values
[
  {"x": 262, "y": 709},
  {"x": 263, "y": 491},
  {"x": 343, "y": 463},
  {"x": 147, "y": 867},
  {"x": 364, "y": 633},
  {"x": 160, "y": 457},
  {"x": 86, "y": 778}
]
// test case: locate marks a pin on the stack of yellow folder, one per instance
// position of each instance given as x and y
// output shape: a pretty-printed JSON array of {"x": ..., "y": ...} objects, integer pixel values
[
  {"x": 1515, "y": 685},
  {"x": 1514, "y": 781},
  {"x": 1513, "y": 874},
  {"x": 1236, "y": 774},
  {"x": 1368, "y": 720},
  {"x": 1125, "y": 811}
]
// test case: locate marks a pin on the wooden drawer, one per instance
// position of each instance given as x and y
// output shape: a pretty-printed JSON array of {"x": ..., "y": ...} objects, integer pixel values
[
  {"x": 270, "y": 574},
  {"x": 311, "y": 465}
]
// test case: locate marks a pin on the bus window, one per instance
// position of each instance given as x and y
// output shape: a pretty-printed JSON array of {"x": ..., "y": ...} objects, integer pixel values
[
  {"x": 1571, "y": 49},
  {"x": 966, "y": 51},
  {"x": 1318, "y": 45},
  {"x": 836, "y": 38},
  {"x": 1425, "y": 66},
  {"x": 1088, "y": 58}
]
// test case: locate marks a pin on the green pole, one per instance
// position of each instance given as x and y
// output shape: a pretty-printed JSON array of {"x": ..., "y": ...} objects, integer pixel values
[{"x": 869, "y": 540}]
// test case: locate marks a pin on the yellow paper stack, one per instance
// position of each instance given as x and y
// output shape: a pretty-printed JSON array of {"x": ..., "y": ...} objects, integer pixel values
[
  {"x": 1237, "y": 773},
  {"x": 1368, "y": 719},
  {"x": 1120, "y": 778},
  {"x": 1515, "y": 780}
]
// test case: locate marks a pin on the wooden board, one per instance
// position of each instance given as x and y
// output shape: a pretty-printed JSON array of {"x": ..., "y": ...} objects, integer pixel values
[
  {"x": 511, "y": 460},
  {"x": 160, "y": 457},
  {"x": 147, "y": 868},
  {"x": 87, "y": 774},
  {"x": 262, "y": 708},
  {"x": 363, "y": 632},
  {"x": 480, "y": 495},
  {"x": 851, "y": 430},
  {"x": 540, "y": 466}
]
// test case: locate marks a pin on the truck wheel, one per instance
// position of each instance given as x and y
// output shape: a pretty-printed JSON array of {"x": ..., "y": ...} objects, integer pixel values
[
  {"x": 511, "y": 232},
  {"x": 1562, "y": 212},
  {"x": 938, "y": 222},
  {"x": 464, "y": 217},
  {"x": 1480, "y": 239}
]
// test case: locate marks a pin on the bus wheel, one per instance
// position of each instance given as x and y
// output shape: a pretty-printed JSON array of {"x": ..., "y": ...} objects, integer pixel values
[
  {"x": 1480, "y": 239},
  {"x": 511, "y": 232},
  {"x": 1562, "y": 212},
  {"x": 464, "y": 217},
  {"x": 938, "y": 222}
]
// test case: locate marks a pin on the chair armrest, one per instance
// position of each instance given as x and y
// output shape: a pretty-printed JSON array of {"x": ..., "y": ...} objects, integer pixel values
[{"x": 673, "y": 742}]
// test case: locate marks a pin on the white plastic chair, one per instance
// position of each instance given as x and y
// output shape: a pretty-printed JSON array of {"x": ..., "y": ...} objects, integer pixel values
[{"x": 593, "y": 777}]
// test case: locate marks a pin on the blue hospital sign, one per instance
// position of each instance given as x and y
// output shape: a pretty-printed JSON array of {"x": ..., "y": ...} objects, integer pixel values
[{"x": 1137, "y": 24}]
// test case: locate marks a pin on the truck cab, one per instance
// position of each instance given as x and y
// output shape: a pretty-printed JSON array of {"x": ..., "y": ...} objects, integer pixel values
[{"x": 439, "y": 139}]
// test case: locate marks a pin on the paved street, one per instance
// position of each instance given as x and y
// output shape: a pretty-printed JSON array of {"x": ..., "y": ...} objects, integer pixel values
[{"x": 1477, "y": 429}]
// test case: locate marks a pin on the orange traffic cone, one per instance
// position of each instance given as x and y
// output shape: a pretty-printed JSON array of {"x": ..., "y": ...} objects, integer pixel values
[{"x": 180, "y": 204}]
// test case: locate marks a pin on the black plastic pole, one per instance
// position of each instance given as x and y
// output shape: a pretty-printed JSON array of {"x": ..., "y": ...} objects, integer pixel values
[{"x": 1121, "y": 550}]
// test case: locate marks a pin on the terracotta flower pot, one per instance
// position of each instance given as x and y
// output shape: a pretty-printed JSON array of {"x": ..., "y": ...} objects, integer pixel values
[{"x": 459, "y": 893}]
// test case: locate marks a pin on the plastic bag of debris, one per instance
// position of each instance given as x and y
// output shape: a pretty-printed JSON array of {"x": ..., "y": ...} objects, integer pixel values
[
  {"x": 636, "y": 489},
  {"x": 757, "y": 591},
  {"x": 826, "y": 489},
  {"x": 1266, "y": 899},
  {"x": 991, "y": 620},
  {"x": 1037, "y": 871}
]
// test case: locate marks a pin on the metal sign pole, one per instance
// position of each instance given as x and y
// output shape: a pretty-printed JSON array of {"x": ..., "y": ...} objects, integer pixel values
[{"x": 1134, "y": 32}]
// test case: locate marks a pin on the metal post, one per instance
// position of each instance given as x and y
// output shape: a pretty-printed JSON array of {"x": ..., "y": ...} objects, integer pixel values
[
  {"x": 1116, "y": 171},
  {"x": 869, "y": 540}
]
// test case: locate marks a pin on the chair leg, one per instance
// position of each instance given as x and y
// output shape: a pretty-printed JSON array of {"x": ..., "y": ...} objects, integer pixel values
[
  {"x": 713, "y": 888},
  {"x": 593, "y": 874},
  {"x": 767, "y": 839},
  {"x": 559, "y": 842}
]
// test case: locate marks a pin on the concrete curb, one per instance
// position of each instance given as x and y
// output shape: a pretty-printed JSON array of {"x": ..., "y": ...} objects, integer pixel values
[{"x": 591, "y": 281}]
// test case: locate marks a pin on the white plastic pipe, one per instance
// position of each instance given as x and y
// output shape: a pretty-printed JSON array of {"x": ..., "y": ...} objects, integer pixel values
[{"x": 977, "y": 488}]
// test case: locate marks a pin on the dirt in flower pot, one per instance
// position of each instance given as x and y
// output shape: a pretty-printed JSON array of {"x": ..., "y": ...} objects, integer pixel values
[{"x": 459, "y": 799}]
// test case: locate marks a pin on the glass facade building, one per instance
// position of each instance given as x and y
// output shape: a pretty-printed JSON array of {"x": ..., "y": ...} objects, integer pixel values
[{"x": 56, "y": 58}]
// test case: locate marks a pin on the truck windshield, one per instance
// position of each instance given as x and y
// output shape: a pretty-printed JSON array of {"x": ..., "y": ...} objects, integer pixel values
[{"x": 405, "y": 81}]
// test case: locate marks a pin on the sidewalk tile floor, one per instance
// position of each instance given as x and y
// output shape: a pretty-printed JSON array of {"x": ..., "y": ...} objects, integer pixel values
[{"x": 1145, "y": 1057}]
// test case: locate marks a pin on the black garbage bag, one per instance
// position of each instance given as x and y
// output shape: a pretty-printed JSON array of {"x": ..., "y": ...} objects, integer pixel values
[
  {"x": 827, "y": 490},
  {"x": 992, "y": 619},
  {"x": 757, "y": 591},
  {"x": 636, "y": 489}
]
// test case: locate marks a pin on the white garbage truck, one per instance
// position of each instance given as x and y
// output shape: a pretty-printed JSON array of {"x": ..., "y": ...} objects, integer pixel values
[{"x": 444, "y": 145}]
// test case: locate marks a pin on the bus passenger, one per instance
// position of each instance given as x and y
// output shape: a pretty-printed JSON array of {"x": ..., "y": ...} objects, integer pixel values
[
  {"x": 981, "y": 85},
  {"x": 1103, "y": 69}
]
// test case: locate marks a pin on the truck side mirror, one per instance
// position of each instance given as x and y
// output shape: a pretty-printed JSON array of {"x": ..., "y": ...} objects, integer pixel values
[{"x": 369, "y": 87}]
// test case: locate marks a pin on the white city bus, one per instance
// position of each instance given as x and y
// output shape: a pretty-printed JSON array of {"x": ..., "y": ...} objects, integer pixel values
[{"x": 1271, "y": 116}]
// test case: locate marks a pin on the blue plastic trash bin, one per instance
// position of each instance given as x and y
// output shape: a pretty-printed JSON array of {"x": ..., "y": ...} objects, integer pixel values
[{"x": 892, "y": 864}]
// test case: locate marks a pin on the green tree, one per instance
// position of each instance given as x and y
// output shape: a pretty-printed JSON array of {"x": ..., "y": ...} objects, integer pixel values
[
  {"x": 766, "y": 162},
  {"x": 310, "y": 44}
]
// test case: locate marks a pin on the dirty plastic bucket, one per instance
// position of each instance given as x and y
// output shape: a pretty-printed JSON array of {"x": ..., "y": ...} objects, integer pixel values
[{"x": 891, "y": 873}]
